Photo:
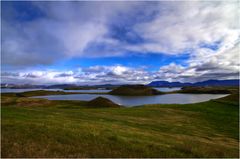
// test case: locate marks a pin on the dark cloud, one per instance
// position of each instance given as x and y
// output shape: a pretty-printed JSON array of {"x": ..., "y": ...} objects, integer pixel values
[
  {"x": 117, "y": 74},
  {"x": 218, "y": 75},
  {"x": 44, "y": 33},
  {"x": 64, "y": 75},
  {"x": 13, "y": 74},
  {"x": 30, "y": 75},
  {"x": 207, "y": 67}
]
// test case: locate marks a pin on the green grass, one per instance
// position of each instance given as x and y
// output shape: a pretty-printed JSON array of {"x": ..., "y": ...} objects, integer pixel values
[
  {"x": 44, "y": 93},
  {"x": 42, "y": 128},
  {"x": 101, "y": 102},
  {"x": 209, "y": 90}
]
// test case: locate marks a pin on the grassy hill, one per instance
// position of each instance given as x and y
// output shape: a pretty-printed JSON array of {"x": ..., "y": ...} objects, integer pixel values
[
  {"x": 134, "y": 90},
  {"x": 45, "y": 128},
  {"x": 209, "y": 90},
  {"x": 101, "y": 102}
]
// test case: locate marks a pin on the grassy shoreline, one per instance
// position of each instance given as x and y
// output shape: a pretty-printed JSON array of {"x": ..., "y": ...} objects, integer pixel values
[
  {"x": 44, "y": 93},
  {"x": 43, "y": 128},
  {"x": 192, "y": 90}
]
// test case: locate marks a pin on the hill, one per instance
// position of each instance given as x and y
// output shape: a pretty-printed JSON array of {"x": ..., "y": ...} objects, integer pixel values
[
  {"x": 234, "y": 82},
  {"x": 67, "y": 129},
  {"x": 101, "y": 102},
  {"x": 218, "y": 83},
  {"x": 168, "y": 84},
  {"x": 206, "y": 90},
  {"x": 134, "y": 90}
]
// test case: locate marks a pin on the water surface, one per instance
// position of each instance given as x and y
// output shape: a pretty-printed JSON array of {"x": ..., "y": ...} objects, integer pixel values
[
  {"x": 89, "y": 91},
  {"x": 167, "y": 89},
  {"x": 140, "y": 100}
]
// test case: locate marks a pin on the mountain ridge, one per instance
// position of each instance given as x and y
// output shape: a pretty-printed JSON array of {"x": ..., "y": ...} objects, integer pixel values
[{"x": 232, "y": 82}]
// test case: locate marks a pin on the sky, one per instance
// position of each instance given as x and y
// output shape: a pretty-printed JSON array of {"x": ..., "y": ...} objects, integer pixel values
[{"x": 80, "y": 42}]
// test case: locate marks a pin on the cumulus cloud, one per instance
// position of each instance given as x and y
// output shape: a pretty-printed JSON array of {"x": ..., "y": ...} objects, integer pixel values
[
  {"x": 38, "y": 77},
  {"x": 116, "y": 74},
  {"x": 185, "y": 25},
  {"x": 46, "y": 32},
  {"x": 60, "y": 30},
  {"x": 119, "y": 74}
]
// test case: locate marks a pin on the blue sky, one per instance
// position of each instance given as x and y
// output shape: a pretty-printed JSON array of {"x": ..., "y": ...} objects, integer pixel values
[{"x": 119, "y": 42}]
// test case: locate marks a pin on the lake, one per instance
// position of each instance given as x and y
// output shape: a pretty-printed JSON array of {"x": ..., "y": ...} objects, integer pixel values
[
  {"x": 8, "y": 90},
  {"x": 140, "y": 100},
  {"x": 89, "y": 91},
  {"x": 167, "y": 89}
]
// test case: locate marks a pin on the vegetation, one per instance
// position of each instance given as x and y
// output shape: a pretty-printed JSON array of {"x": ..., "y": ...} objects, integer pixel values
[
  {"x": 209, "y": 90},
  {"x": 42, "y": 128},
  {"x": 134, "y": 90},
  {"x": 44, "y": 93},
  {"x": 101, "y": 102},
  {"x": 37, "y": 93}
]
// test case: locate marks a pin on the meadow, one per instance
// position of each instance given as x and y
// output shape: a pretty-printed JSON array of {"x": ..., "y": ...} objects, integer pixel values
[{"x": 43, "y": 128}]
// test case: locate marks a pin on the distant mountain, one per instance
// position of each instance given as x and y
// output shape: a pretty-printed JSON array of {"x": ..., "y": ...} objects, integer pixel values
[
  {"x": 234, "y": 82},
  {"x": 168, "y": 84}
]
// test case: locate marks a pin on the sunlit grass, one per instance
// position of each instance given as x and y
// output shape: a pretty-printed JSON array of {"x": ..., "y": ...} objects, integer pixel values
[{"x": 70, "y": 129}]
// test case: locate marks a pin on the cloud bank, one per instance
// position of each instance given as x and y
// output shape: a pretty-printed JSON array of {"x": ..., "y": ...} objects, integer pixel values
[{"x": 43, "y": 33}]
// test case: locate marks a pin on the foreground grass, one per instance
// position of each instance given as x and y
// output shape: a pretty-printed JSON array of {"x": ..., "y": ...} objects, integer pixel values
[{"x": 42, "y": 128}]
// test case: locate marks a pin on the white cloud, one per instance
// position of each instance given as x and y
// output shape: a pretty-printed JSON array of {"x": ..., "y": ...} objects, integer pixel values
[
  {"x": 118, "y": 74},
  {"x": 119, "y": 70},
  {"x": 71, "y": 27},
  {"x": 184, "y": 25},
  {"x": 74, "y": 29},
  {"x": 92, "y": 75}
]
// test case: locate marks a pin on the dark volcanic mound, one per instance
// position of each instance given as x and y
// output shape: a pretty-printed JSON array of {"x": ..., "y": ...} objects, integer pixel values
[
  {"x": 205, "y": 90},
  {"x": 134, "y": 90},
  {"x": 102, "y": 102}
]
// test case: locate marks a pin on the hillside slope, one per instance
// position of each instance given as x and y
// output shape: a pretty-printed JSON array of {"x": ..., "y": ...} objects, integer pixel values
[{"x": 134, "y": 90}]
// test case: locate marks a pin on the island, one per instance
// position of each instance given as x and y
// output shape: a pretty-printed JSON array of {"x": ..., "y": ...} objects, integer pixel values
[{"x": 135, "y": 90}]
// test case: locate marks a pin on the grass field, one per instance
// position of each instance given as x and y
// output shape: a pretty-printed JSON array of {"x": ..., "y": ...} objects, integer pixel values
[{"x": 42, "y": 128}]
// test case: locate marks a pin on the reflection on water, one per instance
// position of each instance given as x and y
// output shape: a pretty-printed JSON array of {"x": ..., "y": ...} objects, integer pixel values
[
  {"x": 89, "y": 91},
  {"x": 140, "y": 100},
  {"x": 167, "y": 89}
]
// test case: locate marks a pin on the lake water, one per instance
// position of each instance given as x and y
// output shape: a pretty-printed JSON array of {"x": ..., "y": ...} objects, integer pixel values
[
  {"x": 8, "y": 90},
  {"x": 167, "y": 89},
  {"x": 89, "y": 91},
  {"x": 140, "y": 100}
]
